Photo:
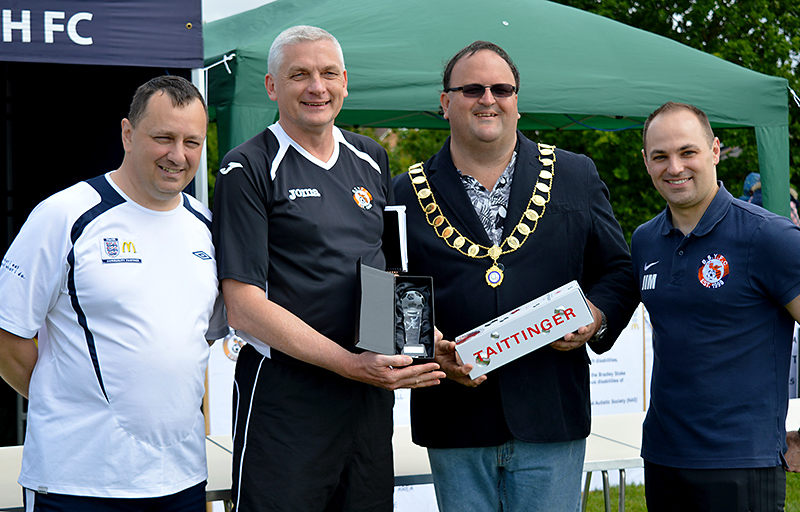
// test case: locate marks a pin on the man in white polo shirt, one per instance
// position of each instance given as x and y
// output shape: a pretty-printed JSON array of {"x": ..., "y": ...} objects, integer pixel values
[{"x": 117, "y": 276}]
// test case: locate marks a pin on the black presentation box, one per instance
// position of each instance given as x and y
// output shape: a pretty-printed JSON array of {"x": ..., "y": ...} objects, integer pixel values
[{"x": 383, "y": 321}]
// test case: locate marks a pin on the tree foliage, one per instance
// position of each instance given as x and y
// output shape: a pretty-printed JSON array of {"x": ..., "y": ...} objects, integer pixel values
[{"x": 407, "y": 146}]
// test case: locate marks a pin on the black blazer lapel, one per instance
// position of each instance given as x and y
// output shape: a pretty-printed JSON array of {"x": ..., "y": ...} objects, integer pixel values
[
  {"x": 526, "y": 173},
  {"x": 449, "y": 192}
]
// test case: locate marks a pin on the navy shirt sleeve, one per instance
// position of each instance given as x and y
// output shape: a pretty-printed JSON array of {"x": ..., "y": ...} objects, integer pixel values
[{"x": 777, "y": 252}]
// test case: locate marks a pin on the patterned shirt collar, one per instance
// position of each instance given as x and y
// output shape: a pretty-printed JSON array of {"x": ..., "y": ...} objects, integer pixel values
[{"x": 491, "y": 206}]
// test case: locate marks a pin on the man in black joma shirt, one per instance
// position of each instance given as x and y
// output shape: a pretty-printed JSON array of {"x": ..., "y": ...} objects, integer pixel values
[{"x": 295, "y": 208}]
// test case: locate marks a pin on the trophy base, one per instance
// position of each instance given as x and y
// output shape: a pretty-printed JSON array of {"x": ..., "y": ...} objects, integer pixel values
[{"x": 414, "y": 350}]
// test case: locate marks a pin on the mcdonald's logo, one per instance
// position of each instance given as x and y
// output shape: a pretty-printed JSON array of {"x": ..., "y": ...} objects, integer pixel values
[{"x": 128, "y": 247}]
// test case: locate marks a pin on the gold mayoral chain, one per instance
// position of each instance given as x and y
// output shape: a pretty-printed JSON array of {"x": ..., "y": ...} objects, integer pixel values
[{"x": 526, "y": 226}]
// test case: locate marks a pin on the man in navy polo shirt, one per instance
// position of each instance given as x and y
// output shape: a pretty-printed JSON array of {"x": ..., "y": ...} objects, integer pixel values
[{"x": 721, "y": 281}]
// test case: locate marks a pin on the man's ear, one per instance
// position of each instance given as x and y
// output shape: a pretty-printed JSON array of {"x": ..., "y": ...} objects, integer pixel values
[
  {"x": 269, "y": 84},
  {"x": 444, "y": 100},
  {"x": 715, "y": 149},
  {"x": 127, "y": 135}
]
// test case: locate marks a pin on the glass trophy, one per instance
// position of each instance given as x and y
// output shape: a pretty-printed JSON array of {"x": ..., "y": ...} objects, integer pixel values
[{"x": 411, "y": 304}]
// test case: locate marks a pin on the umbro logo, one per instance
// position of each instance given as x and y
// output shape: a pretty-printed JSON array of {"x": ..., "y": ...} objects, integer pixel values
[{"x": 202, "y": 255}]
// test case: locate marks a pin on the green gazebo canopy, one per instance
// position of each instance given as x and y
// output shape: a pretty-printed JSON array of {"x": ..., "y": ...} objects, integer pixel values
[{"x": 578, "y": 70}]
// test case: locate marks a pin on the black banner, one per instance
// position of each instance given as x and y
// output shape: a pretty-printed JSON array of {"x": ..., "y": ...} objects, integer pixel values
[{"x": 149, "y": 33}]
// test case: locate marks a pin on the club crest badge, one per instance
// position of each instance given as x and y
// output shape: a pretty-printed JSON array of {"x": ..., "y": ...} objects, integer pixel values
[
  {"x": 362, "y": 197},
  {"x": 713, "y": 271},
  {"x": 111, "y": 247}
]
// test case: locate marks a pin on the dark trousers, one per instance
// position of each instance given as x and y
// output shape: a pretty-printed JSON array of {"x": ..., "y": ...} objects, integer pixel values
[
  {"x": 714, "y": 490},
  {"x": 308, "y": 440}
]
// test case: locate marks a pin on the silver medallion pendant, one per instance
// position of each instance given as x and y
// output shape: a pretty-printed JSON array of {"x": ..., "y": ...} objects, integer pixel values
[{"x": 232, "y": 344}]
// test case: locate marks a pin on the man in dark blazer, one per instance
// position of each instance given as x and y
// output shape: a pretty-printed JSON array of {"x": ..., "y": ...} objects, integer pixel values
[{"x": 513, "y": 220}]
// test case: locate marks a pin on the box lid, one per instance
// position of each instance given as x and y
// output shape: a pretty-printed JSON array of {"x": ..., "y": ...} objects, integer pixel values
[{"x": 376, "y": 316}]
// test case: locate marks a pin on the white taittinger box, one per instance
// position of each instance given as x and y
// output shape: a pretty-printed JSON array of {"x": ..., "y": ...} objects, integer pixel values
[{"x": 525, "y": 329}]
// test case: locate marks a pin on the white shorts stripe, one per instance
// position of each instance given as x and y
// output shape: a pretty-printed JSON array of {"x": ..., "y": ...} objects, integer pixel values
[
  {"x": 30, "y": 497},
  {"x": 246, "y": 428}
]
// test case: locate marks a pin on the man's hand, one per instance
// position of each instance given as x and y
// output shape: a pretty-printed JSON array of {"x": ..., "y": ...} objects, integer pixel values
[
  {"x": 394, "y": 372},
  {"x": 792, "y": 455},
  {"x": 249, "y": 310},
  {"x": 451, "y": 364},
  {"x": 578, "y": 338}
]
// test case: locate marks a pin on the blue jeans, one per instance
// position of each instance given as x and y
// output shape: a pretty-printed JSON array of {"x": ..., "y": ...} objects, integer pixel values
[{"x": 513, "y": 477}]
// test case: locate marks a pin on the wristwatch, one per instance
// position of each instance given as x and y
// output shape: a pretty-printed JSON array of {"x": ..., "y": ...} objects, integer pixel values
[{"x": 602, "y": 330}]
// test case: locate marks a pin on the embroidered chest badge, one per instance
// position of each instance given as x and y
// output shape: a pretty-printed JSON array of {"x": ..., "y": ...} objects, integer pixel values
[
  {"x": 713, "y": 271},
  {"x": 116, "y": 250},
  {"x": 362, "y": 197}
]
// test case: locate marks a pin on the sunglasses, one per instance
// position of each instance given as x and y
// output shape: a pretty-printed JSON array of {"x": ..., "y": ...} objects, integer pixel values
[{"x": 477, "y": 90}]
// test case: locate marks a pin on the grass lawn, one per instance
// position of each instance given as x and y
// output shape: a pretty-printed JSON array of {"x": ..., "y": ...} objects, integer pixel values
[{"x": 634, "y": 497}]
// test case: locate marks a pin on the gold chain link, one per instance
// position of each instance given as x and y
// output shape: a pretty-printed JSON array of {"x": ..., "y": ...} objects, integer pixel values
[{"x": 453, "y": 238}]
